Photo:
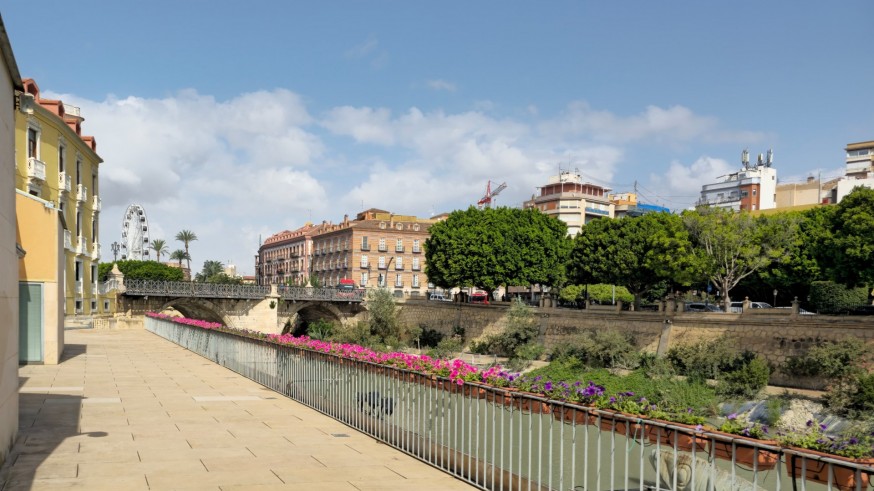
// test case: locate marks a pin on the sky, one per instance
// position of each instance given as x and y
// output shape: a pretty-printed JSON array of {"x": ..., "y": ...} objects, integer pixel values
[{"x": 238, "y": 120}]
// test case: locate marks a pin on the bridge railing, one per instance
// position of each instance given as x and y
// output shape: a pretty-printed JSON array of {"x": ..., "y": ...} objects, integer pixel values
[
  {"x": 497, "y": 438},
  {"x": 220, "y": 290}
]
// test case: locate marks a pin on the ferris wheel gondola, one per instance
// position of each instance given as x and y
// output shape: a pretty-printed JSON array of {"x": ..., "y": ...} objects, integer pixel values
[{"x": 135, "y": 234}]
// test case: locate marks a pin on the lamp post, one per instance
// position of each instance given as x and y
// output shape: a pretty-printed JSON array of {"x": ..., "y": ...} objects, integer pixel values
[
  {"x": 115, "y": 246},
  {"x": 775, "y": 297}
]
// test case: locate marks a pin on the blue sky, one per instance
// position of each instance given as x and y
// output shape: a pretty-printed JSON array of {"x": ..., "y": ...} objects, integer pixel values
[{"x": 238, "y": 120}]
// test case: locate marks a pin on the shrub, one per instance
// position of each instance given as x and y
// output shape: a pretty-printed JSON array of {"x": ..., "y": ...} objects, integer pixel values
[
  {"x": 142, "y": 270},
  {"x": 832, "y": 359},
  {"x": 521, "y": 329},
  {"x": 747, "y": 381},
  {"x": 320, "y": 329},
  {"x": 429, "y": 337},
  {"x": 446, "y": 347},
  {"x": 827, "y": 297},
  {"x": 602, "y": 349},
  {"x": 707, "y": 359}
]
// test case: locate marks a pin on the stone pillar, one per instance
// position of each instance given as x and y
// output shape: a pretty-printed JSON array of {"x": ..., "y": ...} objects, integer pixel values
[
  {"x": 795, "y": 306},
  {"x": 671, "y": 305},
  {"x": 619, "y": 306},
  {"x": 746, "y": 305}
]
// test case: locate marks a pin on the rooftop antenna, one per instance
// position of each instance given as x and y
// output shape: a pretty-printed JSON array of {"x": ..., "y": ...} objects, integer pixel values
[
  {"x": 745, "y": 158},
  {"x": 770, "y": 158}
]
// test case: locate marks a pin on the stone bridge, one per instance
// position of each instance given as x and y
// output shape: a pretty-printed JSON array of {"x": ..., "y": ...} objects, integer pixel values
[{"x": 269, "y": 309}]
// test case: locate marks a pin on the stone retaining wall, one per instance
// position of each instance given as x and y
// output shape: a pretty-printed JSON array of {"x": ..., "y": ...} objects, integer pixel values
[{"x": 773, "y": 336}]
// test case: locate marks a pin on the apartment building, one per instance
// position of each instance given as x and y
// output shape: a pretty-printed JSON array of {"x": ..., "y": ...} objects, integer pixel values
[
  {"x": 377, "y": 248},
  {"x": 58, "y": 168},
  {"x": 754, "y": 187},
  {"x": 573, "y": 201},
  {"x": 627, "y": 205},
  {"x": 860, "y": 160},
  {"x": 10, "y": 249}
]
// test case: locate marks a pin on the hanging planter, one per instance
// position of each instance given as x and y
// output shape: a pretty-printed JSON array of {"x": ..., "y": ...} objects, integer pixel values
[
  {"x": 527, "y": 403},
  {"x": 745, "y": 452},
  {"x": 685, "y": 440}
]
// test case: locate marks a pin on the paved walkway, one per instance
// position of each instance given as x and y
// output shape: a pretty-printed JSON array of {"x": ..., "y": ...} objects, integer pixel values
[{"x": 129, "y": 410}]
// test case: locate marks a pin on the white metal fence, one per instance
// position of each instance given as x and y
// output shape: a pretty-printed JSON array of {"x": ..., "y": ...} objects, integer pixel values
[{"x": 499, "y": 439}]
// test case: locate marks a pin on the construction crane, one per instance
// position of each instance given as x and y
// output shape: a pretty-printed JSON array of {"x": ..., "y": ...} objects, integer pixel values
[{"x": 486, "y": 201}]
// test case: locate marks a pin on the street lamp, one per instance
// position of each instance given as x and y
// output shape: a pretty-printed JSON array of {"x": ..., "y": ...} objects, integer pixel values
[
  {"x": 115, "y": 246},
  {"x": 775, "y": 297}
]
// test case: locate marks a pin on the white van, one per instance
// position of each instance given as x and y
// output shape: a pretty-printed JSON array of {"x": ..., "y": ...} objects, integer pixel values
[{"x": 439, "y": 297}]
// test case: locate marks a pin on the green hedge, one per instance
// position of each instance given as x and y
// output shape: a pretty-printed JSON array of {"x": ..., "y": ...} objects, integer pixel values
[
  {"x": 827, "y": 297},
  {"x": 142, "y": 270}
]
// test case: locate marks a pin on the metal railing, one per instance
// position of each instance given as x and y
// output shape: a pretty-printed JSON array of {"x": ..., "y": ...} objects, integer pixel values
[
  {"x": 495, "y": 438},
  {"x": 219, "y": 290}
]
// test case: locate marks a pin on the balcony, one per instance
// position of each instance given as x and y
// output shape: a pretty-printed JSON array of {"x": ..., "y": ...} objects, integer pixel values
[
  {"x": 81, "y": 193},
  {"x": 64, "y": 182},
  {"x": 95, "y": 203},
  {"x": 365, "y": 266},
  {"x": 95, "y": 251},
  {"x": 382, "y": 248},
  {"x": 417, "y": 250},
  {"x": 80, "y": 286},
  {"x": 596, "y": 211},
  {"x": 382, "y": 266},
  {"x": 68, "y": 241},
  {"x": 36, "y": 169},
  {"x": 399, "y": 248},
  {"x": 399, "y": 267},
  {"x": 82, "y": 246},
  {"x": 365, "y": 247}
]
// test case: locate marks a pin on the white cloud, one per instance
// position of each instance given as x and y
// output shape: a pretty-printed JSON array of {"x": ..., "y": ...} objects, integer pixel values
[
  {"x": 680, "y": 186},
  {"x": 441, "y": 85},
  {"x": 364, "y": 49}
]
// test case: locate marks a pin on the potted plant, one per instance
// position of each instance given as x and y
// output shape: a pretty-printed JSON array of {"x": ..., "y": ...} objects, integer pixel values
[{"x": 684, "y": 439}]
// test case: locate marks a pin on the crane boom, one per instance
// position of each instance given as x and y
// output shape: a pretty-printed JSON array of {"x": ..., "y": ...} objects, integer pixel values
[{"x": 486, "y": 201}]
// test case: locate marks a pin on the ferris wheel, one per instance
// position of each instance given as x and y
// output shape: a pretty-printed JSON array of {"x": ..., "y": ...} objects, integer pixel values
[{"x": 135, "y": 234}]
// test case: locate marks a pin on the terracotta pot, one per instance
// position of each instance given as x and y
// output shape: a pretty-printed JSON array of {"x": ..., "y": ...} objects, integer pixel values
[
  {"x": 474, "y": 391},
  {"x": 685, "y": 440},
  {"x": 609, "y": 423},
  {"x": 503, "y": 396},
  {"x": 572, "y": 415},
  {"x": 745, "y": 454},
  {"x": 844, "y": 478},
  {"x": 530, "y": 405}
]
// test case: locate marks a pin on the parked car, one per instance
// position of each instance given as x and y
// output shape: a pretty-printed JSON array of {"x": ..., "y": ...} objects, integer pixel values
[
  {"x": 738, "y": 307},
  {"x": 800, "y": 311},
  {"x": 439, "y": 297},
  {"x": 702, "y": 307}
]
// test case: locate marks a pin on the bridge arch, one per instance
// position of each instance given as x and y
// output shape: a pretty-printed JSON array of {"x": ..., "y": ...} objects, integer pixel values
[
  {"x": 301, "y": 314},
  {"x": 199, "y": 308}
]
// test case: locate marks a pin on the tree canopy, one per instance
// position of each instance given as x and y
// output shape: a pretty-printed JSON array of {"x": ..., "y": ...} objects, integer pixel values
[
  {"x": 214, "y": 272},
  {"x": 496, "y": 246},
  {"x": 639, "y": 253},
  {"x": 731, "y": 246},
  {"x": 851, "y": 241},
  {"x": 141, "y": 270}
]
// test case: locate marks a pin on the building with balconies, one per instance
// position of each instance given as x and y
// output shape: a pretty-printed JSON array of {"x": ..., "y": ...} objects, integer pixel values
[
  {"x": 573, "y": 201},
  {"x": 752, "y": 188},
  {"x": 58, "y": 166},
  {"x": 377, "y": 248}
]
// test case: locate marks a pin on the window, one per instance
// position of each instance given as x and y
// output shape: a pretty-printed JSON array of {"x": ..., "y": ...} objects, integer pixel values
[
  {"x": 381, "y": 262},
  {"x": 363, "y": 261},
  {"x": 415, "y": 281},
  {"x": 415, "y": 264},
  {"x": 382, "y": 245},
  {"x": 93, "y": 306},
  {"x": 32, "y": 143},
  {"x": 106, "y": 305},
  {"x": 94, "y": 274},
  {"x": 94, "y": 230},
  {"x": 382, "y": 225},
  {"x": 399, "y": 263},
  {"x": 364, "y": 277},
  {"x": 78, "y": 306},
  {"x": 416, "y": 245},
  {"x": 78, "y": 171},
  {"x": 754, "y": 192},
  {"x": 364, "y": 245},
  {"x": 79, "y": 223},
  {"x": 62, "y": 151},
  {"x": 399, "y": 280},
  {"x": 744, "y": 194},
  {"x": 416, "y": 227},
  {"x": 399, "y": 245}
]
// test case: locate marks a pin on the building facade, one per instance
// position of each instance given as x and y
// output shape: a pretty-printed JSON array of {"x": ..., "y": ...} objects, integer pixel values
[
  {"x": 10, "y": 249},
  {"x": 59, "y": 165},
  {"x": 377, "y": 248},
  {"x": 573, "y": 201},
  {"x": 627, "y": 205},
  {"x": 752, "y": 188},
  {"x": 860, "y": 160}
]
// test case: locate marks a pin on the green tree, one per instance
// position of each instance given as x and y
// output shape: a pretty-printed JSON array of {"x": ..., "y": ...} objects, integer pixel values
[
  {"x": 638, "y": 253},
  {"x": 186, "y": 237},
  {"x": 160, "y": 247},
  {"x": 851, "y": 248},
  {"x": 383, "y": 311},
  {"x": 141, "y": 270},
  {"x": 210, "y": 269},
  {"x": 496, "y": 246},
  {"x": 179, "y": 255},
  {"x": 731, "y": 246}
]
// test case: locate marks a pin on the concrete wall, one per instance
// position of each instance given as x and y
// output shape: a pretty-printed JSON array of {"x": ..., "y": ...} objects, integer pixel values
[
  {"x": 9, "y": 79},
  {"x": 39, "y": 231}
]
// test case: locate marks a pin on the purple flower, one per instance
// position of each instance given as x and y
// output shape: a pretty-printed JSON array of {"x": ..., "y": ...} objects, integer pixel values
[
  {"x": 823, "y": 427},
  {"x": 809, "y": 423},
  {"x": 547, "y": 386},
  {"x": 733, "y": 416}
]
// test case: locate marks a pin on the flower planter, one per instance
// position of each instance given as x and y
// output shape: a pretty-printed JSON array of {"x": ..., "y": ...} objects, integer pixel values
[
  {"x": 745, "y": 454},
  {"x": 473, "y": 391},
  {"x": 609, "y": 423},
  {"x": 843, "y": 478},
  {"x": 502, "y": 396},
  {"x": 667, "y": 437},
  {"x": 572, "y": 415},
  {"x": 529, "y": 405}
]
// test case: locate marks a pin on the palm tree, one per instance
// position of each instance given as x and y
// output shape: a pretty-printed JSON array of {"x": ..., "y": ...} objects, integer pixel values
[
  {"x": 179, "y": 255},
  {"x": 186, "y": 237},
  {"x": 160, "y": 247}
]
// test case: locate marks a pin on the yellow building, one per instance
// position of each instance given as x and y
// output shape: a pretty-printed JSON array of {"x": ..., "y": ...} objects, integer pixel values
[{"x": 58, "y": 166}]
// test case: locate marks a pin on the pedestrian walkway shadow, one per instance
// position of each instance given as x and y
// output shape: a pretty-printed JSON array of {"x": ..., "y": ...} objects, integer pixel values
[{"x": 47, "y": 422}]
